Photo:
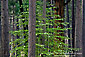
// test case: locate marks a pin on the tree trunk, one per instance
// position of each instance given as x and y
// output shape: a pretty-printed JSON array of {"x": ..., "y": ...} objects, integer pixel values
[
  {"x": 73, "y": 26},
  {"x": 68, "y": 26},
  {"x": 83, "y": 28},
  {"x": 59, "y": 11},
  {"x": 21, "y": 8},
  {"x": 32, "y": 21},
  {"x": 59, "y": 4},
  {"x": 44, "y": 17},
  {"x": 0, "y": 30},
  {"x": 78, "y": 27},
  {"x": 5, "y": 28}
]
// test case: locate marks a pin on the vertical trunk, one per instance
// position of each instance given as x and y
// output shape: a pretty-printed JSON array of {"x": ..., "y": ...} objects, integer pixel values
[
  {"x": 32, "y": 21},
  {"x": 13, "y": 29},
  {"x": 17, "y": 36},
  {"x": 17, "y": 27},
  {"x": 73, "y": 25},
  {"x": 68, "y": 26},
  {"x": 83, "y": 28},
  {"x": 21, "y": 8},
  {"x": 0, "y": 29},
  {"x": 60, "y": 8},
  {"x": 78, "y": 27},
  {"x": 44, "y": 16},
  {"x": 5, "y": 28},
  {"x": 44, "y": 21},
  {"x": 59, "y": 11}
]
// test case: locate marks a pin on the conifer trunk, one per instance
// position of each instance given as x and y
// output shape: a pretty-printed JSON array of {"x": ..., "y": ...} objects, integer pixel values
[
  {"x": 5, "y": 28},
  {"x": 78, "y": 28},
  {"x": 32, "y": 21},
  {"x": 0, "y": 30},
  {"x": 44, "y": 17},
  {"x": 83, "y": 30},
  {"x": 0, "y": 39},
  {"x": 73, "y": 26}
]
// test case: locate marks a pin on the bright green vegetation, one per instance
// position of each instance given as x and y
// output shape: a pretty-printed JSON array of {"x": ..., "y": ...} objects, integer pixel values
[{"x": 52, "y": 45}]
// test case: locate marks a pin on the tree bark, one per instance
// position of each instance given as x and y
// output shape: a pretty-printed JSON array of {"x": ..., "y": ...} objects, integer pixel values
[
  {"x": 78, "y": 28},
  {"x": 0, "y": 30},
  {"x": 32, "y": 22},
  {"x": 5, "y": 28},
  {"x": 44, "y": 17},
  {"x": 83, "y": 30},
  {"x": 73, "y": 26},
  {"x": 68, "y": 26}
]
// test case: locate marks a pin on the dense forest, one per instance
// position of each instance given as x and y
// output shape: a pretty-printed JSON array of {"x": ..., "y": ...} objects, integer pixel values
[{"x": 42, "y": 28}]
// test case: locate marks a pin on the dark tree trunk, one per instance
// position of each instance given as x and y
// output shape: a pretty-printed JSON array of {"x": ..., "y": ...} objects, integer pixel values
[
  {"x": 73, "y": 25},
  {"x": 17, "y": 27},
  {"x": 22, "y": 10},
  {"x": 68, "y": 26},
  {"x": 83, "y": 27},
  {"x": 21, "y": 7},
  {"x": 32, "y": 21},
  {"x": 5, "y": 28}
]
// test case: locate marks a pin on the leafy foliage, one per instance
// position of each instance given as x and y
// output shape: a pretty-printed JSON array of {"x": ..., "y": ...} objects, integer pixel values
[{"x": 52, "y": 46}]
